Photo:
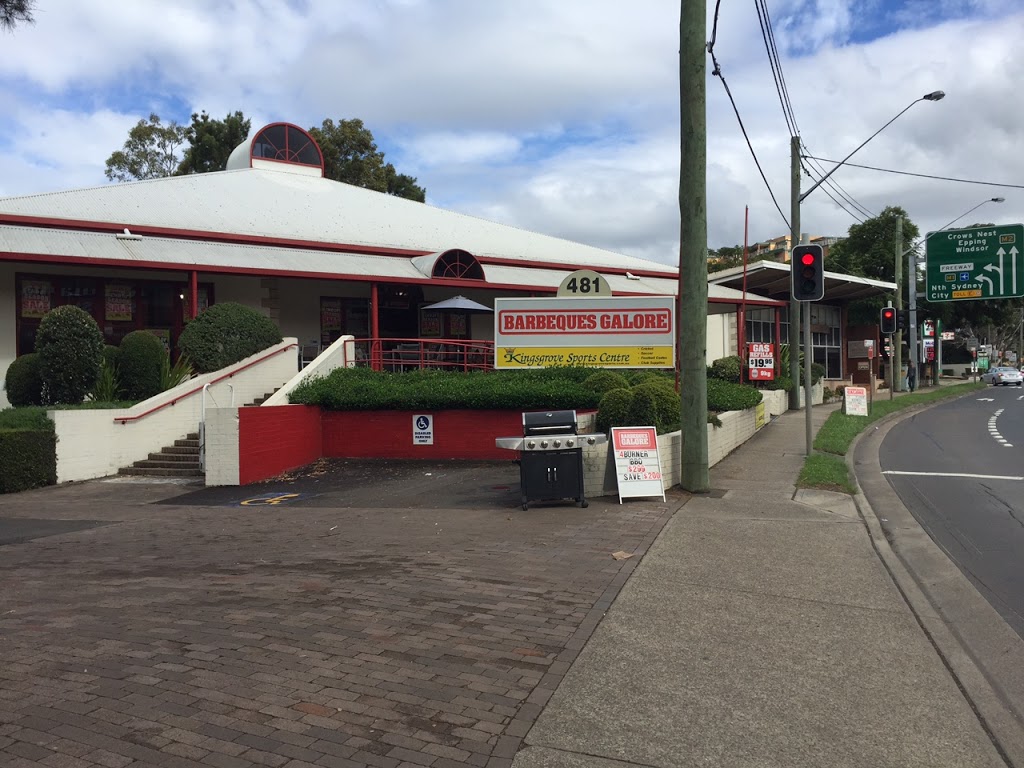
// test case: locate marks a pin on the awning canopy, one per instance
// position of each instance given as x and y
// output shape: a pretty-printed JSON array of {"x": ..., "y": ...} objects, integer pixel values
[{"x": 772, "y": 280}]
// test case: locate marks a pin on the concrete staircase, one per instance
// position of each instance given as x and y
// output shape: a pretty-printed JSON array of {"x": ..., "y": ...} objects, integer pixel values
[{"x": 178, "y": 460}]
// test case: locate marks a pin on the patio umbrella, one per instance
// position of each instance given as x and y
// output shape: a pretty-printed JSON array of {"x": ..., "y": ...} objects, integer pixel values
[{"x": 459, "y": 304}]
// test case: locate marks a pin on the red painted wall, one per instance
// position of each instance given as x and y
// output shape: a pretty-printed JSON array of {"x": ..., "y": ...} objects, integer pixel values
[
  {"x": 388, "y": 434},
  {"x": 275, "y": 439}
]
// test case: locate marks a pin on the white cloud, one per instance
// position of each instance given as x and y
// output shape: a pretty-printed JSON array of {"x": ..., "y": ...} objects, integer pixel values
[{"x": 559, "y": 117}]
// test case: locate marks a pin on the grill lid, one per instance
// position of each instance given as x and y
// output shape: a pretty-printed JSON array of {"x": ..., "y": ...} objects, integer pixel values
[{"x": 549, "y": 423}]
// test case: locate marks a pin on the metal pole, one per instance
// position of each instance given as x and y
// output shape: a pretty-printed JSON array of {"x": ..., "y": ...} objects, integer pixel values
[
  {"x": 692, "y": 313},
  {"x": 794, "y": 306},
  {"x": 892, "y": 358},
  {"x": 807, "y": 379},
  {"x": 897, "y": 339},
  {"x": 912, "y": 306}
]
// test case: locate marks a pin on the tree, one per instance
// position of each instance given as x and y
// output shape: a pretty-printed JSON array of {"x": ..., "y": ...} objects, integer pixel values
[
  {"x": 150, "y": 152},
  {"x": 13, "y": 11},
  {"x": 869, "y": 250},
  {"x": 211, "y": 142},
  {"x": 724, "y": 258},
  {"x": 351, "y": 156}
]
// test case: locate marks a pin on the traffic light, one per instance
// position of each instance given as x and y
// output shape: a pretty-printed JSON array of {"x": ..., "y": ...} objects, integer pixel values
[
  {"x": 808, "y": 273},
  {"x": 903, "y": 320},
  {"x": 887, "y": 321}
]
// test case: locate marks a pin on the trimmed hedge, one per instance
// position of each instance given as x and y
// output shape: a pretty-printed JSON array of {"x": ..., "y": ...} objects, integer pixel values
[
  {"x": 225, "y": 333},
  {"x": 139, "y": 365},
  {"x": 24, "y": 380},
  {"x": 361, "y": 389},
  {"x": 726, "y": 396},
  {"x": 726, "y": 369},
  {"x": 605, "y": 381},
  {"x": 70, "y": 347},
  {"x": 28, "y": 450}
]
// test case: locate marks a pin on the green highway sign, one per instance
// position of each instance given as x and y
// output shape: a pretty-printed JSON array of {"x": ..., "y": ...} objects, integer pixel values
[{"x": 975, "y": 263}]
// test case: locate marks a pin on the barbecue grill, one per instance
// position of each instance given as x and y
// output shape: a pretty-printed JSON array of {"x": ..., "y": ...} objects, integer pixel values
[{"x": 550, "y": 456}]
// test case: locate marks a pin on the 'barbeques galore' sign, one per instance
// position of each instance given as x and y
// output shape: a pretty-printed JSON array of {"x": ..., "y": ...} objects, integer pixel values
[{"x": 615, "y": 332}]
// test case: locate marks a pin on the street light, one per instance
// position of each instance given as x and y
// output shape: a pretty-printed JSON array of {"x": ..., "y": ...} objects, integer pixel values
[
  {"x": 912, "y": 278},
  {"x": 933, "y": 96},
  {"x": 794, "y": 306}
]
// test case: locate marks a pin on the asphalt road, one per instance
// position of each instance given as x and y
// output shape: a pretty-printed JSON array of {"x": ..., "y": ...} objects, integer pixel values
[{"x": 965, "y": 486}]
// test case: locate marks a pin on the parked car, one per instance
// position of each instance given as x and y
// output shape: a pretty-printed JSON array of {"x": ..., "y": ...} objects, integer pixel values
[{"x": 1004, "y": 376}]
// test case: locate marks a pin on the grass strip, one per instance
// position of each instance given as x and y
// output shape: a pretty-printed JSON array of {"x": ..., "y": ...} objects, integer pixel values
[{"x": 827, "y": 470}]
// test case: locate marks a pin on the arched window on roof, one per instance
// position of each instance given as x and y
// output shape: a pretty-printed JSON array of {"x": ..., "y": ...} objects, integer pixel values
[
  {"x": 288, "y": 144},
  {"x": 457, "y": 263}
]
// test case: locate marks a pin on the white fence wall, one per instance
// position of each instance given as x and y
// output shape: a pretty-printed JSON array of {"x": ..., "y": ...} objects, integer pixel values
[
  {"x": 98, "y": 443},
  {"x": 341, "y": 354}
]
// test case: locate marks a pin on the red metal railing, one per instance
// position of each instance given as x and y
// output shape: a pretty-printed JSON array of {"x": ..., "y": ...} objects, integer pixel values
[{"x": 413, "y": 354}]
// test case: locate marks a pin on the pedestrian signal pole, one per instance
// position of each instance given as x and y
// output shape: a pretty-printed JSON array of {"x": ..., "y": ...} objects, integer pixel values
[{"x": 888, "y": 324}]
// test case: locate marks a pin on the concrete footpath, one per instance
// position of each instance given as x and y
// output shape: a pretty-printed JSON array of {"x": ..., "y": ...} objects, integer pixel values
[{"x": 763, "y": 628}]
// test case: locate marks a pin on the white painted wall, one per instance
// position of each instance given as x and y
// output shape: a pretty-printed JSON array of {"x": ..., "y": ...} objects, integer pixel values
[
  {"x": 222, "y": 465},
  {"x": 718, "y": 337},
  {"x": 8, "y": 316},
  {"x": 98, "y": 443},
  {"x": 341, "y": 354}
]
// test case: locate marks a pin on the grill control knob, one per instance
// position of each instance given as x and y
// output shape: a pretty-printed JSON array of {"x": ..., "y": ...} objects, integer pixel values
[
  {"x": 558, "y": 443},
  {"x": 591, "y": 440},
  {"x": 531, "y": 444},
  {"x": 568, "y": 443},
  {"x": 543, "y": 443}
]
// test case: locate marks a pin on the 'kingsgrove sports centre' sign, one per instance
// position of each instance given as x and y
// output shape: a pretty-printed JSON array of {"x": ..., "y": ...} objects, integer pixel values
[{"x": 611, "y": 332}]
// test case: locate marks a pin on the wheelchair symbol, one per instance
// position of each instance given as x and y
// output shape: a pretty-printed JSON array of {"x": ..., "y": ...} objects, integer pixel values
[
  {"x": 274, "y": 500},
  {"x": 423, "y": 422}
]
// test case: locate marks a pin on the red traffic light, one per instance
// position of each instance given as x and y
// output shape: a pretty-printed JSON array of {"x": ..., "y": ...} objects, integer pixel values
[
  {"x": 808, "y": 273},
  {"x": 888, "y": 313}
]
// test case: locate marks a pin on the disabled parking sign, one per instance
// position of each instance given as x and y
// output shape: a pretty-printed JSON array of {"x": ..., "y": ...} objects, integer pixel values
[{"x": 423, "y": 429}]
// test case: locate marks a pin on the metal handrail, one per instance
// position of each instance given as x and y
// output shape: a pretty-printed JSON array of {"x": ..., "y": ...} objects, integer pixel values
[
  {"x": 126, "y": 419},
  {"x": 448, "y": 354}
]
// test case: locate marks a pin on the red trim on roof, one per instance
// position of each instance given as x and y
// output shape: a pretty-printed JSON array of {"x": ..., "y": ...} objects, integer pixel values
[{"x": 84, "y": 225}]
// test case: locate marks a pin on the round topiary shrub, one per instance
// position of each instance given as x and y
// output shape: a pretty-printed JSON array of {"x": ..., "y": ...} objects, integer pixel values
[
  {"x": 139, "y": 359},
  {"x": 643, "y": 410},
  {"x": 726, "y": 368},
  {"x": 605, "y": 381},
  {"x": 613, "y": 410},
  {"x": 224, "y": 334},
  {"x": 665, "y": 401},
  {"x": 24, "y": 381},
  {"x": 70, "y": 347}
]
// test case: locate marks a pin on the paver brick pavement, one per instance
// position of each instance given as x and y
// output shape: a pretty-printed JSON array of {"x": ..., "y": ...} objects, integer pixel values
[{"x": 182, "y": 636}]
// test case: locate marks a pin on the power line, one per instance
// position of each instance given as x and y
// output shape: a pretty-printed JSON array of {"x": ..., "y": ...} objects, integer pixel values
[
  {"x": 768, "y": 35},
  {"x": 819, "y": 172},
  {"x": 824, "y": 188},
  {"x": 921, "y": 175},
  {"x": 717, "y": 72}
]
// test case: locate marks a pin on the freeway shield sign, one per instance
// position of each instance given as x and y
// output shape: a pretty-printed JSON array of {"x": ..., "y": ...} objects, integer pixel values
[{"x": 975, "y": 263}]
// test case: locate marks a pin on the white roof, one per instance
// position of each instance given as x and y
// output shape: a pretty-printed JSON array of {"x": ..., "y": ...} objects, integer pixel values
[
  {"x": 177, "y": 253},
  {"x": 273, "y": 204}
]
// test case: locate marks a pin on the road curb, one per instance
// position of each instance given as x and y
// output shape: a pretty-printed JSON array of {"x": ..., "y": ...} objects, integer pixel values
[{"x": 982, "y": 653}]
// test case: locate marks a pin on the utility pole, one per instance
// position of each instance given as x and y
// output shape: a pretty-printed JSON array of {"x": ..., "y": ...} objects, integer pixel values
[
  {"x": 897, "y": 341},
  {"x": 692, "y": 312},
  {"x": 794, "y": 240}
]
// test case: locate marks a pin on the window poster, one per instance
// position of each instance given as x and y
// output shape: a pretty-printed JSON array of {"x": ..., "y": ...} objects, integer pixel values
[
  {"x": 430, "y": 323},
  {"x": 330, "y": 315},
  {"x": 457, "y": 325},
  {"x": 120, "y": 302},
  {"x": 35, "y": 297}
]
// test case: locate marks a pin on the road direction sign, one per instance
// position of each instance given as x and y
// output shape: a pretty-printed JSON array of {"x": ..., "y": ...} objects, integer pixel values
[{"x": 975, "y": 263}]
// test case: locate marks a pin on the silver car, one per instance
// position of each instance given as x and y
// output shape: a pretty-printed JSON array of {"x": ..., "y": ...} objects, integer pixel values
[{"x": 1004, "y": 376}]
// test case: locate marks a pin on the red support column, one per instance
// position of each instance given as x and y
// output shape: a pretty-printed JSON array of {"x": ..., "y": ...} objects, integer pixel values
[
  {"x": 193, "y": 284},
  {"x": 375, "y": 352}
]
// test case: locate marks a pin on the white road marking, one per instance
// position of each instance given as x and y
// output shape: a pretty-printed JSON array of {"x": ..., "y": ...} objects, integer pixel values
[
  {"x": 952, "y": 474},
  {"x": 993, "y": 430}
]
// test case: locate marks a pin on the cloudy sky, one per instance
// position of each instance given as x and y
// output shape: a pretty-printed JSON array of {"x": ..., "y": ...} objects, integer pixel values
[{"x": 559, "y": 116}]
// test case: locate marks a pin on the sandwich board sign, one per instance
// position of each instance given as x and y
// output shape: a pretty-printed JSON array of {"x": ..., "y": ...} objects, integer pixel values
[
  {"x": 637, "y": 463},
  {"x": 855, "y": 401}
]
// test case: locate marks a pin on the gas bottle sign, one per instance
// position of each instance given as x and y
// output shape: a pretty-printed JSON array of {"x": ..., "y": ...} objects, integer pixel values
[{"x": 760, "y": 361}]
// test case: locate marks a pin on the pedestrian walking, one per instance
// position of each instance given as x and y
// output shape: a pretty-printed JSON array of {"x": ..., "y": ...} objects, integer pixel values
[{"x": 911, "y": 377}]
